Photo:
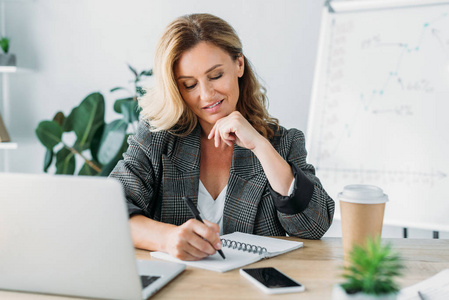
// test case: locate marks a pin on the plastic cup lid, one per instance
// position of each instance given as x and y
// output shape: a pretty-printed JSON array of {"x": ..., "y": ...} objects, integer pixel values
[{"x": 362, "y": 193}]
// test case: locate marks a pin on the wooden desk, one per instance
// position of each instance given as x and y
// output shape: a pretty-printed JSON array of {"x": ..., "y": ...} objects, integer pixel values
[{"x": 317, "y": 265}]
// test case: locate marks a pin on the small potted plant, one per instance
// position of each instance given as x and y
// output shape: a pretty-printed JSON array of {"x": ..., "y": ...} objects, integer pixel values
[
  {"x": 6, "y": 60},
  {"x": 371, "y": 273}
]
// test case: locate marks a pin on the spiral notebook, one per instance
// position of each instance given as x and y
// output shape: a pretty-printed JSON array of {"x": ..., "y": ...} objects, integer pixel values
[{"x": 240, "y": 249}]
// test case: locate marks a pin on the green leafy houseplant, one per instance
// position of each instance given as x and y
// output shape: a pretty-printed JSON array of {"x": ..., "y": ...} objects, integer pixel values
[
  {"x": 371, "y": 273},
  {"x": 128, "y": 106},
  {"x": 98, "y": 144},
  {"x": 4, "y": 44},
  {"x": 6, "y": 59}
]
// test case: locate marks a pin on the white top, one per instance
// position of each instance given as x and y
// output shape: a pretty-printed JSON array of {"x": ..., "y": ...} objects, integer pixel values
[{"x": 212, "y": 210}]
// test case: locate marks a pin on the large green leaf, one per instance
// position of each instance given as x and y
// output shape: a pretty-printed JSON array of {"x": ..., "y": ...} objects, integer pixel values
[
  {"x": 87, "y": 170},
  {"x": 49, "y": 133},
  {"x": 130, "y": 111},
  {"x": 124, "y": 146},
  {"x": 88, "y": 117},
  {"x": 111, "y": 141},
  {"x": 48, "y": 159},
  {"x": 107, "y": 169},
  {"x": 68, "y": 122},
  {"x": 118, "y": 104},
  {"x": 65, "y": 162},
  {"x": 96, "y": 142}
]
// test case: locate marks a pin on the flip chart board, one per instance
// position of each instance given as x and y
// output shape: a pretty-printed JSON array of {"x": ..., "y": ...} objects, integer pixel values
[{"x": 380, "y": 106}]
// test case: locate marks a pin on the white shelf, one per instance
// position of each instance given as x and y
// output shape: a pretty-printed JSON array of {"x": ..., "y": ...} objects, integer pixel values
[
  {"x": 4, "y": 69},
  {"x": 8, "y": 145},
  {"x": 7, "y": 69}
]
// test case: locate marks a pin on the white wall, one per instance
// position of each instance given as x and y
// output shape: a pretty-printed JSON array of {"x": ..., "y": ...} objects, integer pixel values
[{"x": 75, "y": 47}]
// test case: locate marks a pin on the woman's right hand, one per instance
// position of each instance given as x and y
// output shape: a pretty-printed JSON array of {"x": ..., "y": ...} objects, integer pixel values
[{"x": 193, "y": 240}]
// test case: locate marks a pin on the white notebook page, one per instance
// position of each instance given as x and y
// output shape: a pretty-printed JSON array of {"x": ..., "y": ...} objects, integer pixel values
[{"x": 237, "y": 258}]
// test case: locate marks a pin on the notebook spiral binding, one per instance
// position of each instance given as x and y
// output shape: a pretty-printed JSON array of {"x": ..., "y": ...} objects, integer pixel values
[{"x": 243, "y": 246}]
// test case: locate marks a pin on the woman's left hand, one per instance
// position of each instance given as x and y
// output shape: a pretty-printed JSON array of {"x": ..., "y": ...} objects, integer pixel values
[{"x": 234, "y": 128}]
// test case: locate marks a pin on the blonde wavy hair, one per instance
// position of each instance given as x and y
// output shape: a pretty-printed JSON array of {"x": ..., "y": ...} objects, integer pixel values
[{"x": 163, "y": 106}]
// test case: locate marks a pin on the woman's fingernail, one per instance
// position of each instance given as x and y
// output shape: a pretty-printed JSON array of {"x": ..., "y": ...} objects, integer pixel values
[{"x": 218, "y": 246}]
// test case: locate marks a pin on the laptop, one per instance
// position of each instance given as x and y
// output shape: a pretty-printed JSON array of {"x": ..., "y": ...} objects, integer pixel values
[{"x": 69, "y": 235}]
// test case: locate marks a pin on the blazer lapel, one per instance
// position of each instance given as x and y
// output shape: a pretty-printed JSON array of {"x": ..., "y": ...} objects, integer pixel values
[
  {"x": 181, "y": 173},
  {"x": 246, "y": 184}
]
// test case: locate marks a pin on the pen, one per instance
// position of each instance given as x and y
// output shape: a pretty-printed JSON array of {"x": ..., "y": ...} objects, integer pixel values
[
  {"x": 196, "y": 214},
  {"x": 420, "y": 295}
]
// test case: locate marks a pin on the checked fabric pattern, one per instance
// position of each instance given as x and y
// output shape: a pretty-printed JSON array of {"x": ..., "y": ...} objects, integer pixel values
[{"x": 159, "y": 168}]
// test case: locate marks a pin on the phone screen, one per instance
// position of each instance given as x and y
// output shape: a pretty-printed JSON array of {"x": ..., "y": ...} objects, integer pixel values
[{"x": 271, "y": 278}]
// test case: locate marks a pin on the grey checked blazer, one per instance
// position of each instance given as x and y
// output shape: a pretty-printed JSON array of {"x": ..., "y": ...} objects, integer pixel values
[{"x": 159, "y": 168}]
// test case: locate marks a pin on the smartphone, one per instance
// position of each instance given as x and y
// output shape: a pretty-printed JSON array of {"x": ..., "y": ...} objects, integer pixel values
[{"x": 272, "y": 281}]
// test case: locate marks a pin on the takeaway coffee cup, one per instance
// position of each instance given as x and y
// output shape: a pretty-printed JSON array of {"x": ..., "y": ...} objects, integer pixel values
[{"x": 362, "y": 213}]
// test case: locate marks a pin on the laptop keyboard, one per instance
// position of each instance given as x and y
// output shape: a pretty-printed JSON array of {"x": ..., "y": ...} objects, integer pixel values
[{"x": 147, "y": 280}]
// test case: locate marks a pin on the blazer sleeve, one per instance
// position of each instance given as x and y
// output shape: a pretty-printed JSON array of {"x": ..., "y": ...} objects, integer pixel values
[
  {"x": 308, "y": 212},
  {"x": 136, "y": 173}
]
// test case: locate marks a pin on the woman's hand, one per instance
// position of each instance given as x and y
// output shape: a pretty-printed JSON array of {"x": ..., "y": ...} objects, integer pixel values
[
  {"x": 235, "y": 129},
  {"x": 193, "y": 240}
]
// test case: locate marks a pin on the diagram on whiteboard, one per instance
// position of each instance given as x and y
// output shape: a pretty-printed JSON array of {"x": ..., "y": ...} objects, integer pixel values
[{"x": 380, "y": 113}]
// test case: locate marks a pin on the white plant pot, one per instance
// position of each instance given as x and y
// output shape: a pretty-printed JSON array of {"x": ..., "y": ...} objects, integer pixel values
[
  {"x": 338, "y": 293},
  {"x": 7, "y": 60}
]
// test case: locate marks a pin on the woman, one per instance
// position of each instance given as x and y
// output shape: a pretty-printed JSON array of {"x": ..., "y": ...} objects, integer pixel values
[{"x": 206, "y": 134}]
